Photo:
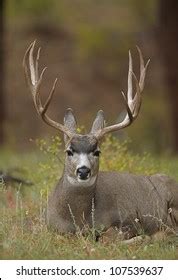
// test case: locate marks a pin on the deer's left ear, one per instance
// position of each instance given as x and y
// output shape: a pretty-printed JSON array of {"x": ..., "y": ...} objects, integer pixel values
[
  {"x": 70, "y": 123},
  {"x": 98, "y": 122}
]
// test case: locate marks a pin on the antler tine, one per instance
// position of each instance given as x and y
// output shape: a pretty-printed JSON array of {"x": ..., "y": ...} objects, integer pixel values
[
  {"x": 131, "y": 101},
  {"x": 136, "y": 102},
  {"x": 34, "y": 81},
  {"x": 25, "y": 66},
  {"x": 142, "y": 69},
  {"x": 130, "y": 88},
  {"x": 50, "y": 96},
  {"x": 37, "y": 62},
  {"x": 31, "y": 64}
]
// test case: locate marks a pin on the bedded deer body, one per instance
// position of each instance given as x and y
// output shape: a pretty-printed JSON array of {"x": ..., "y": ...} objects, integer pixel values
[
  {"x": 132, "y": 203},
  {"x": 85, "y": 196}
]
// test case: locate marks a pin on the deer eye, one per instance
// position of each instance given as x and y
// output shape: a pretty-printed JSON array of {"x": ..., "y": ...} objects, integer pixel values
[
  {"x": 69, "y": 153},
  {"x": 96, "y": 153}
]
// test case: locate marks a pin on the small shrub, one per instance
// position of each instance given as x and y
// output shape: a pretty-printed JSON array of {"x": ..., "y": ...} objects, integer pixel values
[{"x": 117, "y": 157}]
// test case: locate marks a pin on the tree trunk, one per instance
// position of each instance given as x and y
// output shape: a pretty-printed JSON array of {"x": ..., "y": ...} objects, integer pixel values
[
  {"x": 168, "y": 30},
  {"x": 2, "y": 109}
]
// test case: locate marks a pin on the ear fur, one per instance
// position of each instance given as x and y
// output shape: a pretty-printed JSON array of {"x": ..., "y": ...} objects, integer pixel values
[
  {"x": 69, "y": 122},
  {"x": 98, "y": 122}
]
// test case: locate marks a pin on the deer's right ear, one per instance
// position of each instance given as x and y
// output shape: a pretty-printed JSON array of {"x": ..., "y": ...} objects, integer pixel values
[
  {"x": 70, "y": 123},
  {"x": 98, "y": 122}
]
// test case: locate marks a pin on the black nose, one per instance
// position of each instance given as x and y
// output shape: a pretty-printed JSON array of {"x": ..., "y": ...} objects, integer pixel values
[{"x": 83, "y": 172}]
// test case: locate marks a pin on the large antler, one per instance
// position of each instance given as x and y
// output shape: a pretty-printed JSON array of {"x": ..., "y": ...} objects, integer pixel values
[
  {"x": 34, "y": 81},
  {"x": 132, "y": 102}
]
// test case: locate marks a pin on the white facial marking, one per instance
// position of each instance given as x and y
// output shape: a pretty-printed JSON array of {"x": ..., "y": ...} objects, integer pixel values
[
  {"x": 78, "y": 182},
  {"x": 83, "y": 161}
]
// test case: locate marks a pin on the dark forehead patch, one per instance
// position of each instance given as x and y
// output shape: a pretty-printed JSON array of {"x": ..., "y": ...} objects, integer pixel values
[{"x": 83, "y": 144}]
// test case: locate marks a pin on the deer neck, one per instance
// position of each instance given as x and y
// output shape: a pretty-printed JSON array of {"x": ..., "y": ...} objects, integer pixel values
[{"x": 76, "y": 200}]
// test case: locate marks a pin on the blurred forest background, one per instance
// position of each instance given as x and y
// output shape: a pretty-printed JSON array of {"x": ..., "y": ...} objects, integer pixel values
[{"x": 85, "y": 44}]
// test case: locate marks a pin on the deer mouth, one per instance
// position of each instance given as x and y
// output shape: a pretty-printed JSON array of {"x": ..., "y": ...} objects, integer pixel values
[
  {"x": 88, "y": 181},
  {"x": 76, "y": 181},
  {"x": 84, "y": 177}
]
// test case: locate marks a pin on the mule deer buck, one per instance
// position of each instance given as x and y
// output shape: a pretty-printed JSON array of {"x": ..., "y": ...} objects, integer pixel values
[{"x": 103, "y": 200}]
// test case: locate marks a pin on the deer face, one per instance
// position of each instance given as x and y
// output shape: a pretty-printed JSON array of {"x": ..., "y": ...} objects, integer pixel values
[
  {"x": 82, "y": 151},
  {"x": 82, "y": 159}
]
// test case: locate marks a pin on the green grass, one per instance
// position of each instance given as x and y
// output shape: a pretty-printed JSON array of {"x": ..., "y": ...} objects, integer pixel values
[{"x": 23, "y": 232}]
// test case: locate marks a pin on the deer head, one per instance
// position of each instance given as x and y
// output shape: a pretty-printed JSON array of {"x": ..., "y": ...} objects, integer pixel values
[{"x": 82, "y": 151}]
